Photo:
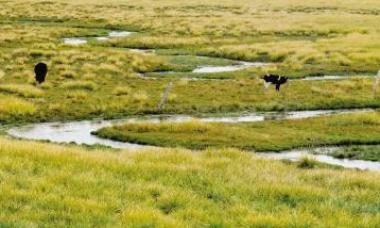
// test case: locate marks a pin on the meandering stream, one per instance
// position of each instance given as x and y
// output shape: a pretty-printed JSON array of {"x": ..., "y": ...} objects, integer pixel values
[
  {"x": 238, "y": 65},
  {"x": 79, "y": 132}
]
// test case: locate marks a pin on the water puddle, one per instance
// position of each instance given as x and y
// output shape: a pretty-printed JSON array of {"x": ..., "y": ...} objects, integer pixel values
[
  {"x": 74, "y": 41},
  {"x": 119, "y": 34},
  {"x": 102, "y": 38},
  {"x": 83, "y": 40},
  {"x": 326, "y": 77},
  {"x": 230, "y": 68},
  {"x": 320, "y": 155},
  {"x": 144, "y": 51}
]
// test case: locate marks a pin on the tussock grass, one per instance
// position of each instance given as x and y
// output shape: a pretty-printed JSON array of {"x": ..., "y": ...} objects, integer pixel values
[
  {"x": 122, "y": 91},
  {"x": 140, "y": 97},
  {"x": 16, "y": 108},
  {"x": 313, "y": 39},
  {"x": 49, "y": 185},
  {"x": 176, "y": 188},
  {"x": 77, "y": 95},
  {"x": 23, "y": 90},
  {"x": 81, "y": 85},
  {"x": 307, "y": 163}
]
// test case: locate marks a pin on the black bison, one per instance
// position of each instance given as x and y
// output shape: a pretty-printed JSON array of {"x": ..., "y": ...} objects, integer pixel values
[
  {"x": 40, "y": 70},
  {"x": 275, "y": 80}
]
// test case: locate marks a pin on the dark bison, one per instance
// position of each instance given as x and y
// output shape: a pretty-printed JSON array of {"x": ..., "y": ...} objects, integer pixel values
[
  {"x": 275, "y": 80},
  {"x": 40, "y": 70}
]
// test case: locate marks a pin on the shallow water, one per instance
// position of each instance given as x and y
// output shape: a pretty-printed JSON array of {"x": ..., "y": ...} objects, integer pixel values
[
  {"x": 145, "y": 51},
  {"x": 83, "y": 40},
  {"x": 79, "y": 132},
  {"x": 325, "y": 77},
  {"x": 102, "y": 38},
  {"x": 331, "y": 77},
  {"x": 119, "y": 34},
  {"x": 230, "y": 68},
  {"x": 321, "y": 156},
  {"x": 74, "y": 41}
]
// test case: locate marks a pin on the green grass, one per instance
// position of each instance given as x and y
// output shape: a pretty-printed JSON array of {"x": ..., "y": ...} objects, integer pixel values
[
  {"x": 370, "y": 153},
  {"x": 27, "y": 91},
  {"x": 67, "y": 186},
  {"x": 79, "y": 85},
  {"x": 15, "y": 108},
  {"x": 82, "y": 81},
  {"x": 342, "y": 129},
  {"x": 44, "y": 185}
]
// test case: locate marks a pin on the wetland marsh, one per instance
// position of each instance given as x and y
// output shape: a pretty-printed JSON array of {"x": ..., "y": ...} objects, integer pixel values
[{"x": 110, "y": 63}]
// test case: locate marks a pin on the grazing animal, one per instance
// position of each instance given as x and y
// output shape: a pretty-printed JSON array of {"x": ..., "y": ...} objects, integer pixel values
[
  {"x": 40, "y": 70},
  {"x": 275, "y": 79},
  {"x": 271, "y": 78}
]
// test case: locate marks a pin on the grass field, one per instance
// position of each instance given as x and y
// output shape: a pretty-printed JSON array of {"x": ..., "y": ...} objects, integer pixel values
[
  {"x": 45, "y": 185},
  {"x": 49, "y": 185},
  {"x": 331, "y": 44}
]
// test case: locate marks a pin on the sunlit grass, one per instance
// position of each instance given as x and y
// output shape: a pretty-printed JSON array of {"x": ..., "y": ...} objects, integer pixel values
[
  {"x": 23, "y": 90},
  {"x": 176, "y": 188},
  {"x": 15, "y": 108},
  {"x": 343, "y": 129},
  {"x": 44, "y": 185},
  {"x": 122, "y": 91}
]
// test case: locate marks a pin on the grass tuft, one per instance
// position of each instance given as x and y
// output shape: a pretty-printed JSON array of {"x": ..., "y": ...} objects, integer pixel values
[
  {"x": 15, "y": 108},
  {"x": 79, "y": 85},
  {"x": 23, "y": 90}
]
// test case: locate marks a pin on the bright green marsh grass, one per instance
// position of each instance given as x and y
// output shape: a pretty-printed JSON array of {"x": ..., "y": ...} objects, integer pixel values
[
  {"x": 51, "y": 185},
  {"x": 342, "y": 129},
  {"x": 371, "y": 153}
]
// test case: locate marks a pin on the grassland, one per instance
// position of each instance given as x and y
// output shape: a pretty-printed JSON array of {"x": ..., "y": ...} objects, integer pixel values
[
  {"x": 45, "y": 185},
  {"x": 61, "y": 186},
  {"x": 82, "y": 79},
  {"x": 343, "y": 129}
]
